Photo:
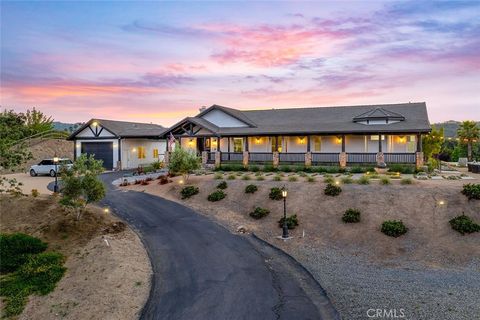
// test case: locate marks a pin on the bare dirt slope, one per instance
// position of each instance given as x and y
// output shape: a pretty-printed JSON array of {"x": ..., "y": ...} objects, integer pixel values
[
  {"x": 102, "y": 282},
  {"x": 430, "y": 240}
]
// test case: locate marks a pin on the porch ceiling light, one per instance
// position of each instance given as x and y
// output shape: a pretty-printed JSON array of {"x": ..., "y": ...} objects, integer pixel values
[
  {"x": 338, "y": 140},
  {"x": 134, "y": 150},
  {"x": 302, "y": 140},
  {"x": 257, "y": 140}
]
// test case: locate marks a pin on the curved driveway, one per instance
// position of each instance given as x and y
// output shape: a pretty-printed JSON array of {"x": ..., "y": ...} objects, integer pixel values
[{"x": 202, "y": 271}]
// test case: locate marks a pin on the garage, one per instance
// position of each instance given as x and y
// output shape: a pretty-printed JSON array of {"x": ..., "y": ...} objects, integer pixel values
[{"x": 101, "y": 150}]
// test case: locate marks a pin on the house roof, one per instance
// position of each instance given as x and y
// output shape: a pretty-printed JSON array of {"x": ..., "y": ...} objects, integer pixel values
[
  {"x": 124, "y": 129},
  {"x": 412, "y": 117}
]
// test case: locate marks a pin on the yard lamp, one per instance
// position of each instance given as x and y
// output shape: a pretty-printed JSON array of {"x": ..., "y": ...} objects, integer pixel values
[
  {"x": 285, "y": 226},
  {"x": 55, "y": 162}
]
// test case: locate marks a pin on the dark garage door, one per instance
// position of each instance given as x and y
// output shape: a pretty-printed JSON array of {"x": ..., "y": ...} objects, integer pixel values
[{"x": 101, "y": 150}]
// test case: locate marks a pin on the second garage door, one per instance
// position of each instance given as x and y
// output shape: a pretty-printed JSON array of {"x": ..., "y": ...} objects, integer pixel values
[{"x": 101, "y": 150}]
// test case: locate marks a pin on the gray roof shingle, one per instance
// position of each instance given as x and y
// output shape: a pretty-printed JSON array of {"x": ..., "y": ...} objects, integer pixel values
[{"x": 125, "y": 129}]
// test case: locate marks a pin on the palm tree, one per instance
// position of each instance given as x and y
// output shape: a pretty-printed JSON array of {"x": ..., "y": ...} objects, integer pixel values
[{"x": 468, "y": 132}]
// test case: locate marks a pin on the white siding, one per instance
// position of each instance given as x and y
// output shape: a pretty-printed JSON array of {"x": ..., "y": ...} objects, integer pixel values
[
  {"x": 221, "y": 119},
  {"x": 331, "y": 144},
  {"x": 129, "y": 152},
  {"x": 189, "y": 143},
  {"x": 296, "y": 144},
  {"x": 260, "y": 144}
]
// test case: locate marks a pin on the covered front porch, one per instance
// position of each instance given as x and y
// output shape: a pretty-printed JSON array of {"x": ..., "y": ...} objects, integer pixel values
[{"x": 307, "y": 149}]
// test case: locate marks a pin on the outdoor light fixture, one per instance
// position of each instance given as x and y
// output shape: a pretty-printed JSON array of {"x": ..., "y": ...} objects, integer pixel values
[
  {"x": 337, "y": 182},
  {"x": 180, "y": 181},
  {"x": 190, "y": 142},
  {"x": 257, "y": 140},
  {"x": 441, "y": 202},
  {"x": 55, "y": 161},
  {"x": 339, "y": 140},
  {"x": 302, "y": 140},
  {"x": 285, "y": 226},
  {"x": 94, "y": 123},
  {"x": 402, "y": 139},
  {"x": 106, "y": 210},
  {"x": 134, "y": 150}
]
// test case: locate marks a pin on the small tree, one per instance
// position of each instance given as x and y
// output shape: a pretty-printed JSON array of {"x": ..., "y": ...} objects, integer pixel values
[
  {"x": 80, "y": 185},
  {"x": 183, "y": 162},
  {"x": 432, "y": 145},
  {"x": 468, "y": 133}
]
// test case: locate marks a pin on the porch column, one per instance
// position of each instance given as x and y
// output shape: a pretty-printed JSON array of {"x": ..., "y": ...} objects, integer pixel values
[
  {"x": 380, "y": 158},
  {"x": 308, "y": 144},
  {"x": 276, "y": 159},
  {"x": 343, "y": 155},
  {"x": 419, "y": 162},
  {"x": 217, "y": 159},
  {"x": 228, "y": 147},
  {"x": 246, "y": 143},
  {"x": 245, "y": 159},
  {"x": 308, "y": 159},
  {"x": 276, "y": 143},
  {"x": 204, "y": 158}
]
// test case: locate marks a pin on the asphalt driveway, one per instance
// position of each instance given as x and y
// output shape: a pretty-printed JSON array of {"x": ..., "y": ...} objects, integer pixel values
[{"x": 202, "y": 271}]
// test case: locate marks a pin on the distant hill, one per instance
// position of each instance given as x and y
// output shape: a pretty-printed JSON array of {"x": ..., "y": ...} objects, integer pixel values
[
  {"x": 450, "y": 127},
  {"x": 69, "y": 127}
]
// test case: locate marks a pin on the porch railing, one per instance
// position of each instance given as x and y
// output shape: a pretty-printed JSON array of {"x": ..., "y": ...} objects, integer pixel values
[
  {"x": 231, "y": 156},
  {"x": 291, "y": 157},
  {"x": 399, "y": 157},
  {"x": 318, "y": 158},
  {"x": 260, "y": 157},
  {"x": 361, "y": 157}
]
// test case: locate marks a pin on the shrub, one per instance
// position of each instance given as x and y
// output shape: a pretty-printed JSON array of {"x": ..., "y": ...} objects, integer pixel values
[
  {"x": 246, "y": 177},
  {"x": 254, "y": 168},
  {"x": 149, "y": 179},
  {"x": 275, "y": 194},
  {"x": 406, "y": 181},
  {"x": 231, "y": 177},
  {"x": 260, "y": 178},
  {"x": 124, "y": 184},
  {"x": 35, "y": 193},
  {"x": 356, "y": 170},
  {"x": 328, "y": 180},
  {"x": 394, "y": 228},
  {"x": 189, "y": 191},
  {"x": 332, "y": 190},
  {"x": 251, "y": 188},
  {"x": 277, "y": 178},
  {"x": 222, "y": 185},
  {"x": 163, "y": 180},
  {"x": 38, "y": 275},
  {"x": 471, "y": 191},
  {"x": 216, "y": 196},
  {"x": 285, "y": 168},
  {"x": 15, "y": 249},
  {"x": 292, "y": 222},
  {"x": 464, "y": 224},
  {"x": 218, "y": 176},
  {"x": 144, "y": 183},
  {"x": 363, "y": 180},
  {"x": 351, "y": 216},
  {"x": 406, "y": 169},
  {"x": 137, "y": 182},
  {"x": 385, "y": 180},
  {"x": 259, "y": 213},
  {"x": 318, "y": 169},
  {"x": 347, "y": 180},
  {"x": 269, "y": 168},
  {"x": 292, "y": 179},
  {"x": 298, "y": 168},
  {"x": 310, "y": 179},
  {"x": 334, "y": 169}
]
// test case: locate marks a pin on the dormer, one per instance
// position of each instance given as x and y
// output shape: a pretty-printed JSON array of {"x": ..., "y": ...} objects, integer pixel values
[{"x": 378, "y": 116}]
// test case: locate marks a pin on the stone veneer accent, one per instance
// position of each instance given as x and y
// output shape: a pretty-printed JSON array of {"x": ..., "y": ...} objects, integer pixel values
[
  {"x": 380, "y": 157},
  {"x": 308, "y": 159},
  {"x": 218, "y": 159},
  {"x": 419, "y": 160},
  {"x": 245, "y": 159},
  {"x": 343, "y": 159},
  {"x": 276, "y": 159}
]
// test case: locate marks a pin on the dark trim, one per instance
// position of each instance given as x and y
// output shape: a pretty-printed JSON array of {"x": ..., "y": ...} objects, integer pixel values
[
  {"x": 380, "y": 143},
  {"x": 419, "y": 143},
  {"x": 251, "y": 124},
  {"x": 93, "y": 132},
  {"x": 75, "y": 150},
  {"x": 343, "y": 143},
  {"x": 95, "y": 138},
  {"x": 119, "y": 152},
  {"x": 87, "y": 124},
  {"x": 303, "y": 133},
  {"x": 99, "y": 132},
  {"x": 308, "y": 144}
]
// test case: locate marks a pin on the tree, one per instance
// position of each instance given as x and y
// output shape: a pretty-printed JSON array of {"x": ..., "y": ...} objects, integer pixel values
[
  {"x": 183, "y": 162},
  {"x": 81, "y": 185},
  {"x": 37, "y": 122},
  {"x": 12, "y": 129},
  {"x": 468, "y": 133},
  {"x": 432, "y": 145}
]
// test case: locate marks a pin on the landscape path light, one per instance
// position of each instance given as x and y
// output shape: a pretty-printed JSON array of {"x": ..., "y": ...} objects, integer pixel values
[
  {"x": 285, "y": 226},
  {"x": 55, "y": 162}
]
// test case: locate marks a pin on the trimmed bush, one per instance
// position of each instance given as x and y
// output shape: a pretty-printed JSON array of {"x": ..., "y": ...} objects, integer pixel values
[
  {"x": 16, "y": 248},
  {"x": 222, "y": 185},
  {"x": 285, "y": 168},
  {"x": 363, "y": 180},
  {"x": 259, "y": 213},
  {"x": 471, "y": 191},
  {"x": 332, "y": 190},
  {"x": 357, "y": 170},
  {"x": 385, "y": 180},
  {"x": 216, "y": 196},
  {"x": 394, "y": 228},
  {"x": 406, "y": 181},
  {"x": 269, "y": 168},
  {"x": 292, "y": 222},
  {"x": 251, "y": 188},
  {"x": 189, "y": 191},
  {"x": 254, "y": 168},
  {"x": 275, "y": 194},
  {"x": 464, "y": 224},
  {"x": 351, "y": 216}
]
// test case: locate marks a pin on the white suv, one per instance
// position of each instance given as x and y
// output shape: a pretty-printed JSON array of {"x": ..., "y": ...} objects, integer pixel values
[{"x": 47, "y": 166}]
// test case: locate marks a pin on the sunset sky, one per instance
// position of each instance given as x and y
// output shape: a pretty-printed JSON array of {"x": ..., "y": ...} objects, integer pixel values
[{"x": 160, "y": 61}]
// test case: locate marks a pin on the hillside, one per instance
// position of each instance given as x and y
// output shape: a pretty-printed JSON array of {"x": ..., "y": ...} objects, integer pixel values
[
  {"x": 450, "y": 127},
  {"x": 69, "y": 127}
]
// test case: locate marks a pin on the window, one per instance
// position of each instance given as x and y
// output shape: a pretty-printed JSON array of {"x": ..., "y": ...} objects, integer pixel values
[
  {"x": 317, "y": 144},
  {"x": 237, "y": 144},
  {"x": 141, "y": 152},
  {"x": 375, "y": 137},
  {"x": 155, "y": 153}
]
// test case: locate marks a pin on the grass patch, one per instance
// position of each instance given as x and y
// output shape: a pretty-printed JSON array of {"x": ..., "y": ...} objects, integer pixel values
[
  {"x": 292, "y": 179},
  {"x": 406, "y": 181},
  {"x": 16, "y": 248},
  {"x": 385, "y": 180},
  {"x": 260, "y": 178},
  {"x": 363, "y": 180},
  {"x": 38, "y": 274},
  {"x": 328, "y": 179},
  {"x": 332, "y": 190},
  {"x": 311, "y": 179},
  {"x": 246, "y": 177},
  {"x": 231, "y": 177},
  {"x": 277, "y": 178},
  {"x": 346, "y": 180},
  {"x": 218, "y": 176}
]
